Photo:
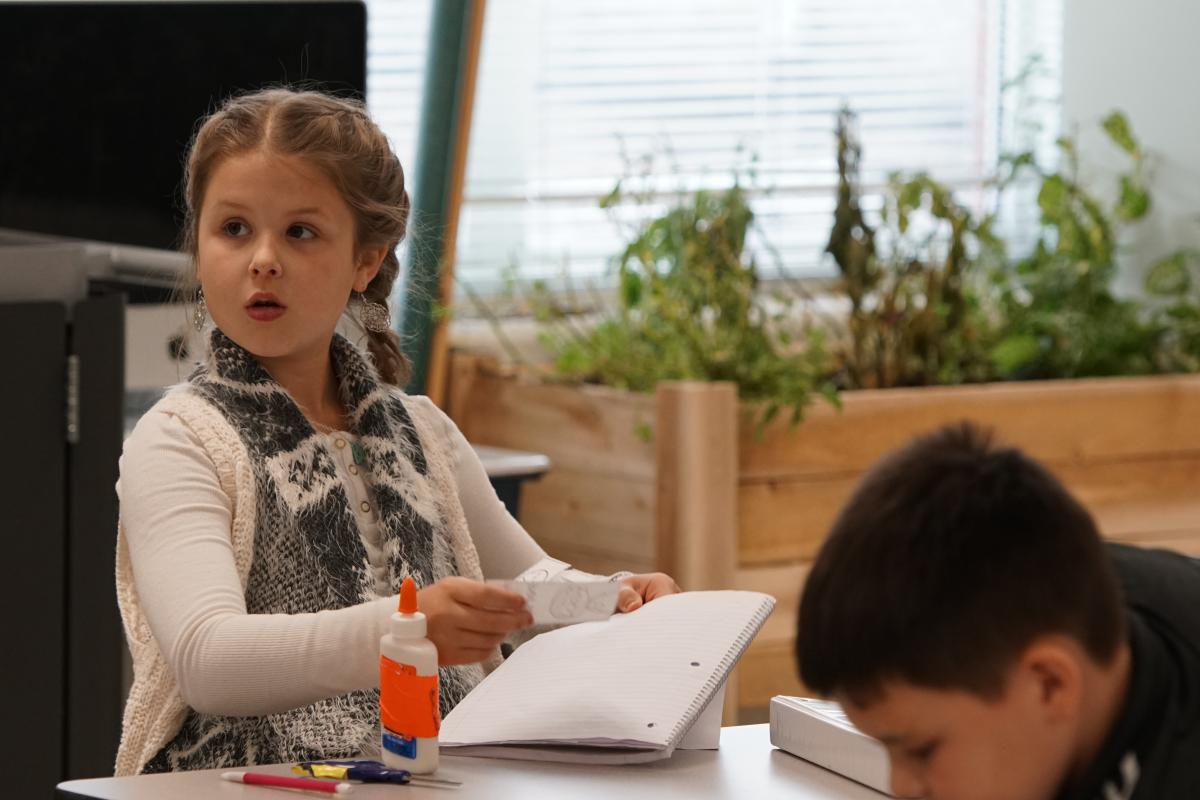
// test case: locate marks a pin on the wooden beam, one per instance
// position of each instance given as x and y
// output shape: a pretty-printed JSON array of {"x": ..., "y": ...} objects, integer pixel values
[
  {"x": 1056, "y": 422},
  {"x": 696, "y": 443}
]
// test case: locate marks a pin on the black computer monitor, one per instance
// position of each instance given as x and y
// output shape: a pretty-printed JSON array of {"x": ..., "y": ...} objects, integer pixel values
[{"x": 98, "y": 101}]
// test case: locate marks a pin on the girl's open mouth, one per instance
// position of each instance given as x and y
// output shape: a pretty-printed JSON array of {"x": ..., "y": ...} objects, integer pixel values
[{"x": 264, "y": 307}]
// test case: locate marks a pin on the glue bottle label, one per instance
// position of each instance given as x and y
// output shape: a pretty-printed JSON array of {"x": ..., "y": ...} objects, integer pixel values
[
  {"x": 400, "y": 745},
  {"x": 408, "y": 705}
]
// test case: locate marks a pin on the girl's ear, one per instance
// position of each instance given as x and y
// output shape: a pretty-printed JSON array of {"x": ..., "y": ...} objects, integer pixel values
[{"x": 367, "y": 267}]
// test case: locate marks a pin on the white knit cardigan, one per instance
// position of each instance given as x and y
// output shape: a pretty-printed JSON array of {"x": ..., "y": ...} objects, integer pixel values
[{"x": 154, "y": 710}]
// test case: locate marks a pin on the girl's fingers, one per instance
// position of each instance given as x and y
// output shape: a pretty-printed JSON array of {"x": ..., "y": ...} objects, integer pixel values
[
  {"x": 485, "y": 596},
  {"x": 466, "y": 656},
  {"x": 647, "y": 587},
  {"x": 457, "y": 646},
  {"x": 628, "y": 599},
  {"x": 471, "y": 640},
  {"x": 660, "y": 585},
  {"x": 492, "y": 622}
]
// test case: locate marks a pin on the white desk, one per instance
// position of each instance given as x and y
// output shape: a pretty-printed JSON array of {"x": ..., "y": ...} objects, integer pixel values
[
  {"x": 501, "y": 462},
  {"x": 508, "y": 469},
  {"x": 746, "y": 766}
]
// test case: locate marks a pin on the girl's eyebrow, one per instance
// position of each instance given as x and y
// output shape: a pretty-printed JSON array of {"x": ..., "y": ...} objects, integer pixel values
[
  {"x": 231, "y": 204},
  {"x": 293, "y": 212},
  {"x": 307, "y": 210}
]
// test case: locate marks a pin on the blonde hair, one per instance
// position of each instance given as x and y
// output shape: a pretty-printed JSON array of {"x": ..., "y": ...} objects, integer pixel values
[{"x": 337, "y": 136}]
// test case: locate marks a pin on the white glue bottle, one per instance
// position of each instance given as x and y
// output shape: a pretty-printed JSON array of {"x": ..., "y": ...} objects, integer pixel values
[{"x": 408, "y": 689}]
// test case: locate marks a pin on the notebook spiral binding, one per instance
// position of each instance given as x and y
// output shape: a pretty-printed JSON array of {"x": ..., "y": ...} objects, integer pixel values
[{"x": 721, "y": 672}]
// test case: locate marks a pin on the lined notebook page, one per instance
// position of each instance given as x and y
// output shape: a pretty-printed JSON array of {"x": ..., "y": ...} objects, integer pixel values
[{"x": 633, "y": 680}]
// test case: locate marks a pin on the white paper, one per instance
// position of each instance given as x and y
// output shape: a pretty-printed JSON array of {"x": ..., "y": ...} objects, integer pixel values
[
  {"x": 641, "y": 681},
  {"x": 565, "y": 602}
]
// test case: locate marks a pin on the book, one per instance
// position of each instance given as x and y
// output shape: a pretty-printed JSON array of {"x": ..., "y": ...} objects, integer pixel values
[
  {"x": 819, "y": 731},
  {"x": 631, "y": 688}
]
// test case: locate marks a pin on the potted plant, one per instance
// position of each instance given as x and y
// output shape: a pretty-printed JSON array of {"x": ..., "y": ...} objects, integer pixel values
[{"x": 675, "y": 456}]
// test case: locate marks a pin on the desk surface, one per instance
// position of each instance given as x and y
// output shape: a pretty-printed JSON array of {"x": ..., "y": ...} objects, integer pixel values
[
  {"x": 500, "y": 462},
  {"x": 745, "y": 766}
]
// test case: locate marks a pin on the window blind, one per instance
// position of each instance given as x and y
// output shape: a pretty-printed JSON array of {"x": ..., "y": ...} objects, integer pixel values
[
  {"x": 573, "y": 95},
  {"x": 397, "y": 39}
]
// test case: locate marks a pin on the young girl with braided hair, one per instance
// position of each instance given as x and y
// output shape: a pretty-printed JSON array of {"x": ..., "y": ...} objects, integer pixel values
[{"x": 272, "y": 504}]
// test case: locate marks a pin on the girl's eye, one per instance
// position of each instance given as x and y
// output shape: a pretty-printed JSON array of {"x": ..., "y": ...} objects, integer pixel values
[
  {"x": 300, "y": 232},
  {"x": 235, "y": 228}
]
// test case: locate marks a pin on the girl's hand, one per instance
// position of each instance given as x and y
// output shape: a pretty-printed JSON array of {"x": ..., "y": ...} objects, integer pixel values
[
  {"x": 637, "y": 590},
  {"x": 466, "y": 620}
]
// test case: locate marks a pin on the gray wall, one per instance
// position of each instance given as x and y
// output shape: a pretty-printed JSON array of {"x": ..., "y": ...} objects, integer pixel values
[{"x": 1142, "y": 56}]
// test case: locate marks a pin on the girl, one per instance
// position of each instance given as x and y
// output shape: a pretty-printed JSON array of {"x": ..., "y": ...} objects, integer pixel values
[{"x": 272, "y": 504}]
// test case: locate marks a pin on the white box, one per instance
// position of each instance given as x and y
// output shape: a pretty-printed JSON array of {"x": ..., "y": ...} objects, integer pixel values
[{"x": 818, "y": 731}]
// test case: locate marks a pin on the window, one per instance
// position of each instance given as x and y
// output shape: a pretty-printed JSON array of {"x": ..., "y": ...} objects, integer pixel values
[
  {"x": 568, "y": 90},
  {"x": 397, "y": 38}
]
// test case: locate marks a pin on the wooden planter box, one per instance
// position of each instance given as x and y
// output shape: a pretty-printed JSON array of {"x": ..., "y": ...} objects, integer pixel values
[{"x": 709, "y": 503}]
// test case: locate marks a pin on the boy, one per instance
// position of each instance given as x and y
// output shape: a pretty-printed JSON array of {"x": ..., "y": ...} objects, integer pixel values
[{"x": 965, "y": 612}]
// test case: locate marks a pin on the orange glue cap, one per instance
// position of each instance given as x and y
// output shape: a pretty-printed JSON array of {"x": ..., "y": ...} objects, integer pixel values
[{"x": 408, "y": 596}]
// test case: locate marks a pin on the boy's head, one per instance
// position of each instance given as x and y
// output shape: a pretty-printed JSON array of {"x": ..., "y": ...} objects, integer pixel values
[{"x": 963, "y": 611}]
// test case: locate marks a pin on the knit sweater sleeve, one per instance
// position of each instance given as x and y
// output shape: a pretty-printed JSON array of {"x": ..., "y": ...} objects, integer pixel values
[{"x": 177, "y": 523}]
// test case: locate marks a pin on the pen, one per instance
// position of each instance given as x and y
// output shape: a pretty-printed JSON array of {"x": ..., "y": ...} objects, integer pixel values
[
  {"x": 287, "y": 782},
  {"x": 369, "y": 772}
]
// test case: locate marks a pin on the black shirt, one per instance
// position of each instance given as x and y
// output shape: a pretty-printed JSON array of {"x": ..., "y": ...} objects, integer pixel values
[{"x": 1153, "y": 751}]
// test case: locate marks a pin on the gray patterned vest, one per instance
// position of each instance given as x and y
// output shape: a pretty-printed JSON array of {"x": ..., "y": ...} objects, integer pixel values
[{"x": 308, "y": 553}]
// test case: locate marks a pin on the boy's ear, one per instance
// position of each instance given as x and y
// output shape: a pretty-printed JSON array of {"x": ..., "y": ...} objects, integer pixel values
[
  {"x": 367, "y": 265},
  {"x": 1050, "y": 672}
]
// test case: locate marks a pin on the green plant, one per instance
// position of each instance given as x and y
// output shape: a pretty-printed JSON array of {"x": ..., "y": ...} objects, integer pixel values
[
  {"x": 933, "y": 297},
  {"x": 944, "y": 305},
  {"x": 689, "y": 307},
  {"x": 1174, "y": 283},
  {"x": 1062, "y": 316},
  {"x": 915, "y": 315}
]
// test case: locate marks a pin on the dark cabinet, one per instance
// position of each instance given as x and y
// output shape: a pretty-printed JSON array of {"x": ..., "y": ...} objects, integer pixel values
[{"x": 61, "y": 651}]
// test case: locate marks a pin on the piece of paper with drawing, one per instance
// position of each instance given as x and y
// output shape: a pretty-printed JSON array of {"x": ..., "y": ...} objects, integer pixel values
[{"x": 564, "y": 602}]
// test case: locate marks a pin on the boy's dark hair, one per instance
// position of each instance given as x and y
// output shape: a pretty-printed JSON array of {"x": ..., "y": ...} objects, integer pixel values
[{"x": 951, "y": 556}]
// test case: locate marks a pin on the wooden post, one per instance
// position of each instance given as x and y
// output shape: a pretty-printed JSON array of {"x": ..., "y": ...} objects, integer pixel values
[
  {"x": 696, "y": 444},
  {"x": 456, "y": 401}
]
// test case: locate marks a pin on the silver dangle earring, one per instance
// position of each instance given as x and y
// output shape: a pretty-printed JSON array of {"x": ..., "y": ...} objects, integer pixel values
[
  {"x": 373, "y": 316},
  {"x": 200, "y": 313}
]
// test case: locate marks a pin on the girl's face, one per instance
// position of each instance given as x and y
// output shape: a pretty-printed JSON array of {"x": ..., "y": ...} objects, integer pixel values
[{"x": 276, "y": 255}]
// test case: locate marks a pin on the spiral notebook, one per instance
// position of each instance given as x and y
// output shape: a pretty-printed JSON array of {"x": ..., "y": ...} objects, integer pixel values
[{"x": 628, "y": 689}]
